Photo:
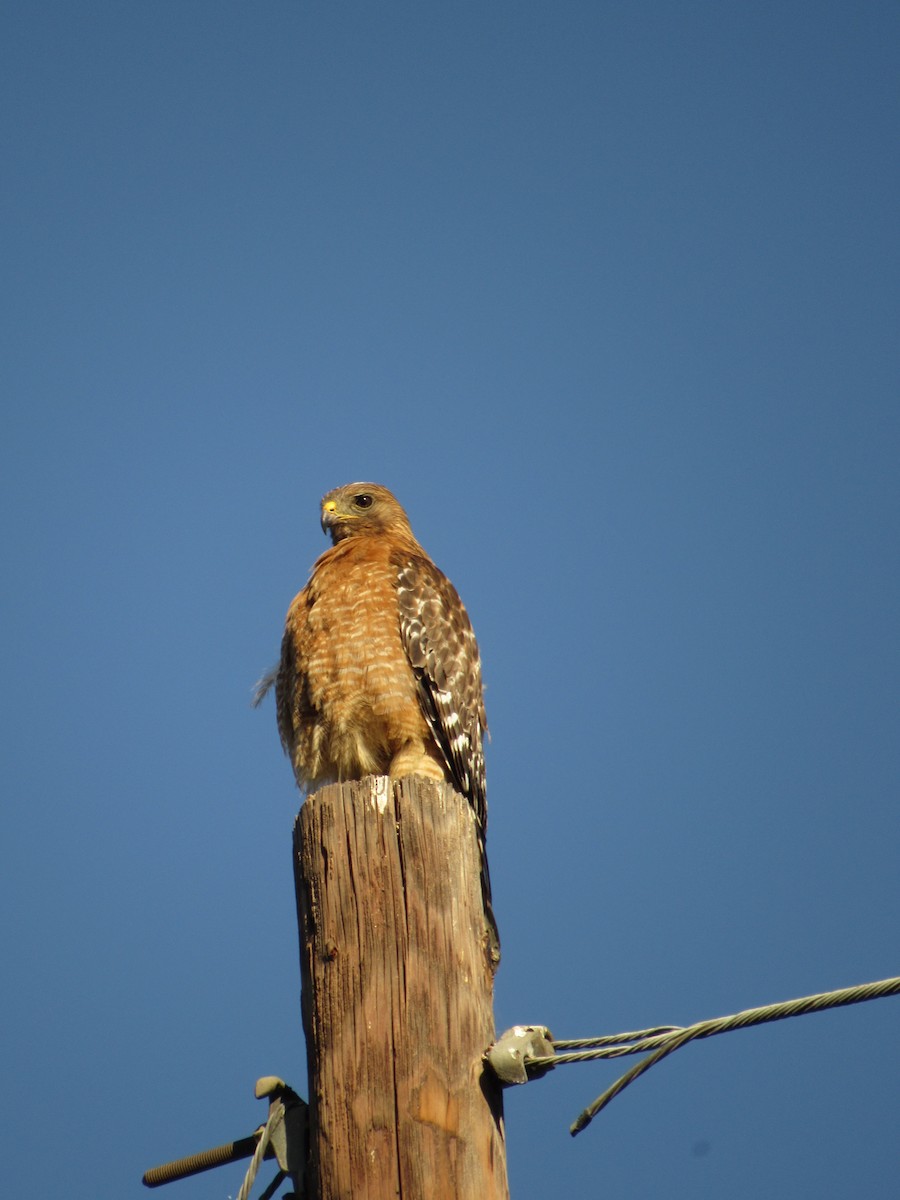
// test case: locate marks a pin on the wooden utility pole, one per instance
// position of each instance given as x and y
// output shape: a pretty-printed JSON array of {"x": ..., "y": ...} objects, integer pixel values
[{"x": 397, "y": 996}]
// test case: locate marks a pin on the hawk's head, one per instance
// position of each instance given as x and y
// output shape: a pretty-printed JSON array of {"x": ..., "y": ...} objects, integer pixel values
[{"x": 358, "y": 509}]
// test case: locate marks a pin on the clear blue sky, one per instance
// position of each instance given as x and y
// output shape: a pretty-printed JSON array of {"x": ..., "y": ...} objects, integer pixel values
[{"x": 608, "y": 294}]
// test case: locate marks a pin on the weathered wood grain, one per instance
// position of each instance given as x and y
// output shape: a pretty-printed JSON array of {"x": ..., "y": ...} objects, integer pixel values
[{"x": 397, "y": 995}]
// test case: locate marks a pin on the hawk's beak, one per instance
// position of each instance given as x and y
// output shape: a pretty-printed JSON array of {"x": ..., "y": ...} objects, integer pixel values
[{"x": 329, "y": 514}]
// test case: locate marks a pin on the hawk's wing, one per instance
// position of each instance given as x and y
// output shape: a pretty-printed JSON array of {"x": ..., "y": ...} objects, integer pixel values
[{"x": 440, "y": 644}]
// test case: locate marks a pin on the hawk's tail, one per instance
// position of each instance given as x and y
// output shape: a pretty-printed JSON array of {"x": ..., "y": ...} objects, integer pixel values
[{"x": 493, "y": 934}]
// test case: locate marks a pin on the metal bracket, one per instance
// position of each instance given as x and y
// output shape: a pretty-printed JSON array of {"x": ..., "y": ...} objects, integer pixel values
[
  {"x": 509, "y": 1056},
  {"x": 291, "y": 1134},
  {"x": 287, "y": 1144}
]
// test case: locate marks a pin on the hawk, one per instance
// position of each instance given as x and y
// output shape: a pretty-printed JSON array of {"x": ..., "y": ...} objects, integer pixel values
[{"x": 380, "y": 672}]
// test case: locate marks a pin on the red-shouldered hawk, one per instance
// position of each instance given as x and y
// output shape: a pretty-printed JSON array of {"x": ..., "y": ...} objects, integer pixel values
[{"x": 380, "y": 672}]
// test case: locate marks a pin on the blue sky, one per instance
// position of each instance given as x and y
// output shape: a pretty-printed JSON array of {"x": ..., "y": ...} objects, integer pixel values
[{"x": 607, "y": 293}]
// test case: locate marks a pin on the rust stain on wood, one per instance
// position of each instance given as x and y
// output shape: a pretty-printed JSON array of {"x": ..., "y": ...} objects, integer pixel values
[{"x": 433, "y": 1105}]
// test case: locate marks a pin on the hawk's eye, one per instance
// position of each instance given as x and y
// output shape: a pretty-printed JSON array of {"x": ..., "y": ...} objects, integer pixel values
[{"x": 363, "y": 501}]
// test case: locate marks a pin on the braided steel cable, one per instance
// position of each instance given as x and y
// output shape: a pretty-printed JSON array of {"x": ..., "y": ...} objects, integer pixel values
[{"x": 664, "y": 1040}]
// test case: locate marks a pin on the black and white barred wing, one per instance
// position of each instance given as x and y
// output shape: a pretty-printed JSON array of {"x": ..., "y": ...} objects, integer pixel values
[{"x": 442, "y": 650}]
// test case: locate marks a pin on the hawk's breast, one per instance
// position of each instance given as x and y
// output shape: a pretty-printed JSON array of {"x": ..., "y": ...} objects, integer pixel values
[{"x": 357, "y": 701}]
